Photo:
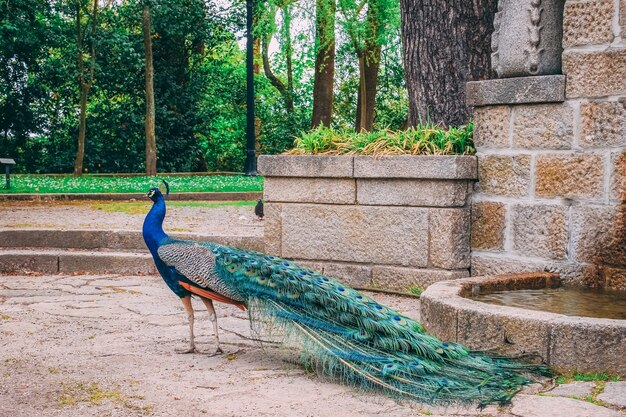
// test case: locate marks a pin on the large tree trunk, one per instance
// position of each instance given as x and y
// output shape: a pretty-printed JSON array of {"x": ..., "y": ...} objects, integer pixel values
[
  {"x": 446, "y": 43},
  {"x": 146, "y": 23},
  {"x": 324, "y": 63}
]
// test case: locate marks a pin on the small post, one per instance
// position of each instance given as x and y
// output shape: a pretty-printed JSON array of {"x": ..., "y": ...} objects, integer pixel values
[{"x": 7, "y": 162}]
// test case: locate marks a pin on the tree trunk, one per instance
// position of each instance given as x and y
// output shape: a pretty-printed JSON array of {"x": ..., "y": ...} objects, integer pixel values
[
  {"x": 369, "y": 63},
  {"x": 146, "y": 23},
  {"x": 324, "y": 63},
  {"x": 446, "y": 43},
  {"x": 274, "y": 80},
  {"x": 85, "y": 85},
  {"x": 82, "y": 127}
]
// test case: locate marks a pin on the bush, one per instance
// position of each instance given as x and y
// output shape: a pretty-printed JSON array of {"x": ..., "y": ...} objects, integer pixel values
[{"x": 426, "y": 139}]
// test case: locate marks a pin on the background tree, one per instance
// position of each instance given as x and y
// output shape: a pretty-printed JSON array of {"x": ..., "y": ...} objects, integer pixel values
[
  {"x": 85, "y": 46},
  {"x": 446, "y": 44},
  {"x": 324, "y": 62},
  {"x": 368, "y": 23},
  {"x": 146, "y": 23}
]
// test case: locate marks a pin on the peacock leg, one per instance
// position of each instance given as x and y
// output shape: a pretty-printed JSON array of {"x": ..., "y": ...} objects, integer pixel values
[
  {"x": 189, "y": 309},
  {"x": 213, "y": 317}
]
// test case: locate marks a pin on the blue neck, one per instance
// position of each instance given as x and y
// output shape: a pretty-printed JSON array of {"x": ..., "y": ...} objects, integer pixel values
[{"x": 153, "y": 226}]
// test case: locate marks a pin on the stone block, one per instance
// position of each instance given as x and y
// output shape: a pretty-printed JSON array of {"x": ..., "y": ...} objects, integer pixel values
[
  {"x": 409, "y": 192},
  {"x": 570, "y": 273},
  {"x": 587, "y": 23},
  {"x": 439, "y": 316},
  {"x": 599, "y": 234},
  {"x": 491, "y": 127},
  {"x": 578, "y": 389},
  {"x": 449, "y": 231},
  {"x": 527, "y": 38},
  {"x": 603, "y": 124},
  {"x": 543, "y": 126},
  {"x": 317, "y": 166},
  {"x": 506, "y": 330},
  {"x": 382, "y": 235},
  {"x": 579, "y": 175},
  {"x": 504, "y": 175},
  {"x": 354, "y": 275},
  {"x": 581, "y": 344},
  {"x": 12, "y": 262},
  {"x": 540, "y": 230},
  {"x": 545, "y": 406},
  {"x": 102, "y": 263},
  {"x": 488, "y": 223},
  {"x": 595, "y": 74},
  {"x": 401, "y": 279},
  {"x": 618, "y": 177},
  {"x": 272, "y": 231},
  {"x": 614, "y": 393},
  {"x": 615, "y": 278},
  {"x": 310, "y": 190},
  {"x": 453, "y": 167},
  {"x": 517, "y": 90}
]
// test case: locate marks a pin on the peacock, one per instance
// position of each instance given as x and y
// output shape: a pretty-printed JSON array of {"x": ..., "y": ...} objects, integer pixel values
[{"x": 345, "y": 334}]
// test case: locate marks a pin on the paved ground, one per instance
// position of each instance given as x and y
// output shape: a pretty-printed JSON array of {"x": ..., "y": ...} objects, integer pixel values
[
  {"x": 77, "y": 215},
  {"x": 104, "y": 345}
]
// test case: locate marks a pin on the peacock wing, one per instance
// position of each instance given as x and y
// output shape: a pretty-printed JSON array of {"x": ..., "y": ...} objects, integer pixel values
[{"x": 196, "y": 262}]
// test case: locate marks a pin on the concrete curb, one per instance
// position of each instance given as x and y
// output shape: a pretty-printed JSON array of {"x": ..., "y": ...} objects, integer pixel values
[
  {"x": 244, "y": 196},
  {"x": 120, "y": 240}
]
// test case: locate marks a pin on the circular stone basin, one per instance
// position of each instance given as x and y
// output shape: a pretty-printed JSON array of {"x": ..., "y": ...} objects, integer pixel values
[{"x": 569, "y": 343}]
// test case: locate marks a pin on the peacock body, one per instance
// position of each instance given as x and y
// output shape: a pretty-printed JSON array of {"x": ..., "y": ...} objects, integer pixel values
[{"x": 346, "y": 333}]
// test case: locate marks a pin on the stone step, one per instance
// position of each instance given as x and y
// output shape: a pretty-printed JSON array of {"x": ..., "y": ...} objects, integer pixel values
[
  {"x": 119, "y": 240},
  {"x": 54, "y": 261}
]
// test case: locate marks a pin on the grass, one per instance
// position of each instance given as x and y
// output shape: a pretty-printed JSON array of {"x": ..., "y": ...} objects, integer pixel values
[
  {"x": 36, "y": 184},
  {"x": 142, "y": 207},
  {"x": 415, "y": 290},
  {"x": 586, "y": 377},
  {"x": 424, "y": 139}
]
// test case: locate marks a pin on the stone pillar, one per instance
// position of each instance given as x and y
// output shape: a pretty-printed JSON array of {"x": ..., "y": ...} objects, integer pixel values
[
  {"x": 386, "y": 222},
  {"x": 552, "y": 159}
]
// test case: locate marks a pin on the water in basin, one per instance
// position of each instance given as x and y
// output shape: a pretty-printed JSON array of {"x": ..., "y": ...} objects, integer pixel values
[{"x": 610, "y": 304}]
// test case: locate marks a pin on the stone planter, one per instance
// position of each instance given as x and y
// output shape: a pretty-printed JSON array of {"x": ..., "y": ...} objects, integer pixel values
[{"x": 390, "y": 222}]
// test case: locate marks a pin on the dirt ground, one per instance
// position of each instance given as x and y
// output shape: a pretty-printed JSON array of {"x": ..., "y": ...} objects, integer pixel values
[
  {"x": 79, "y": 215},
  {"x": 104, "y": 346}
]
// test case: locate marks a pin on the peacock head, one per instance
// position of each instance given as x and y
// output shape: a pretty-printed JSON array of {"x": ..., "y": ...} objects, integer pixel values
[{"x": 155, "y": 193}]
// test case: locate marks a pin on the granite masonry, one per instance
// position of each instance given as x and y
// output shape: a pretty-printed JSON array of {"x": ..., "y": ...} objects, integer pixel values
[
  {"x": 392, "y": 222},
  {"x": 552, "y": 159}
]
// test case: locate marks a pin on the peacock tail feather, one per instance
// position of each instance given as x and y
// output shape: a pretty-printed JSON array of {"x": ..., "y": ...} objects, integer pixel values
[{"x": 347, "y": 334}]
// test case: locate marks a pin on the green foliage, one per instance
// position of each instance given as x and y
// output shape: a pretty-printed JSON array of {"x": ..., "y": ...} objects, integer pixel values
[
  {"x": 136, "y": 184},
  {"x": 425, "y": 139},
  {"x": 582, "y": 376},
  {"x": 416, "y": 290}
]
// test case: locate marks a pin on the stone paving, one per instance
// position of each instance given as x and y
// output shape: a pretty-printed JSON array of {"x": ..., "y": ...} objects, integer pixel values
[{"x": 104, "y": 346}]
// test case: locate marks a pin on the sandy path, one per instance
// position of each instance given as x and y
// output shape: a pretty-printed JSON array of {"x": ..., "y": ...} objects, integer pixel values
[
  {"x": 104, "y": 346},
  {"x": 236, "y": 221}
]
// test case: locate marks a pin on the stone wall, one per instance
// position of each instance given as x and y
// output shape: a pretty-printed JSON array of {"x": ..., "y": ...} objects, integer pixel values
[
  {"x": 552, "y": 171},
  {"x": 389, "y": 222}
]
